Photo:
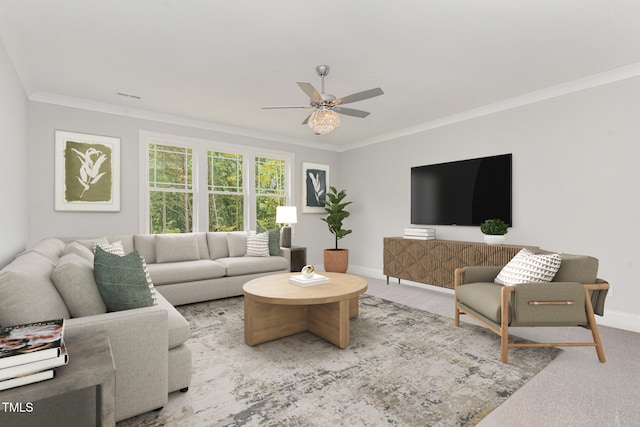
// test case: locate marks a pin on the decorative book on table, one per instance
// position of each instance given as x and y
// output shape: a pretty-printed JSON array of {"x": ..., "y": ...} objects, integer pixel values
[
  {"x": 420, "y": 233},
  {"x": 27, "y": 379},
  {"x": 315, "y": 279},
  {"x": 26, "y": 369},
  {"x": 31, "y": 342}
]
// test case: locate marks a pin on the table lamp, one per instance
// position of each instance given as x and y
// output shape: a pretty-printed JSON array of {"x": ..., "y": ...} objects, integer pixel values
[{"x": 286, "y": 215}]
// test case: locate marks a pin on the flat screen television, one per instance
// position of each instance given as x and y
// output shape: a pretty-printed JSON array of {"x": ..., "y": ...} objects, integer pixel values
[{"x": 464, "y": 192}]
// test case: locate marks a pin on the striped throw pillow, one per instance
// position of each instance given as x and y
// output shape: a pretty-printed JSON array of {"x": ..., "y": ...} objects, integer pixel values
[{"x": 258, "y": 245}]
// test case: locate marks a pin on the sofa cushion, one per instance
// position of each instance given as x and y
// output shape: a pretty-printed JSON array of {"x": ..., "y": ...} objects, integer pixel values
[
  {"x": 217, "y": 243},
  {"x": 527, "y": 267},
  {"x": 258, "y": 245},
  {"x": 73, "y": 278},
  {"x": 239, "y": 266},
  {"x": 49, "y": 247},
  {"x": 185, "y": 271},
  {"x": 274, "y": 242},
  {"x": 122, "y": 281},
  {"x": 237, "y": 241},
  {"x": 78, "y": 249},
  {"x": 179, "y": 330},
  {"x": 177, "y": 247},
  {"x": 145, "y": 244},
  {"x": 27, "y": 293}
]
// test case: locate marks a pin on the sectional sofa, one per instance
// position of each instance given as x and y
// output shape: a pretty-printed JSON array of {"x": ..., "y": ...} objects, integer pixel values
[{"x": 55, "y": 279}]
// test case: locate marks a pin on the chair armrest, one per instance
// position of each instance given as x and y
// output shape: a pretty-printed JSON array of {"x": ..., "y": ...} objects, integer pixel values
[
  {"x": 475, "y": 273},
  {"x": 140, "y": 349}
]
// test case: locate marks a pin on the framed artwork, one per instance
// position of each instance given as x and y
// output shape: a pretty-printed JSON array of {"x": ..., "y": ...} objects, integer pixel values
[
  {"x": 87, "y": 172},
  {"x": 315, "y": 183}
]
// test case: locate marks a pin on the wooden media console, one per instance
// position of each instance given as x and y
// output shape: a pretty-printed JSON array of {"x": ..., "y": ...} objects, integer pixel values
[{"x": 434, "y": 261}]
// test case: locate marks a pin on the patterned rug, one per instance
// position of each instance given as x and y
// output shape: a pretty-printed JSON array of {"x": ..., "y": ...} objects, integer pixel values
[{"x": 403, "y": 367}]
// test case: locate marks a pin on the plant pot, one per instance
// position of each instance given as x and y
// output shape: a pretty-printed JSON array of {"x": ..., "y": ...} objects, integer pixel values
[
  {"x": 494, "y": 239},
  {"x": 336, "y": 260}
]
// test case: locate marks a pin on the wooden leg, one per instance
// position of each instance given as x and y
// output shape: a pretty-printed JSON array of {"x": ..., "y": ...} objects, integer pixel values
[
  {"x": 594, "y": 327},
  {"x": 331, "y": 322},
  {"x": 456, "y": 313},
  {"x": 267, "y": 322}
]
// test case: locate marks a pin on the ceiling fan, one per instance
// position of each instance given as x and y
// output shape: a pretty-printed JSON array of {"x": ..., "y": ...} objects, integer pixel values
[{"x": 324, "y": 118}]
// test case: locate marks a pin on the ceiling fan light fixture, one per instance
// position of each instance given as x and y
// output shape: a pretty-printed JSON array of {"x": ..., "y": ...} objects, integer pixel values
[{"x": 323, "y": 121}]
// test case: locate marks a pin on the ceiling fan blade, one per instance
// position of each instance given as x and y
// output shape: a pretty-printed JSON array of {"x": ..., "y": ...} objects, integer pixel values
[
  {"x": 360, "y": 96},
  {"x": 352, "y": 112},
  {"x": 306, "y": 121},
  {"x": 311, "y": 92},
  {"x": 285, "y": 106}
]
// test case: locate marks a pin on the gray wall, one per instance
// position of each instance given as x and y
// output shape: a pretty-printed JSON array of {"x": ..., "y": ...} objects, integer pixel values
[
  {"x": 14, "y": 175},
  {"x": 44, "y": 119},
  {"x": 575, "y": 178}
]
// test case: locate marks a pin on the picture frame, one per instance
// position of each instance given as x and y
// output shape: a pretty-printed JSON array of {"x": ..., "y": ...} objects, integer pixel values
[
  {"x": 315, "y": 184},
  {"x": 87, "y": 172}
]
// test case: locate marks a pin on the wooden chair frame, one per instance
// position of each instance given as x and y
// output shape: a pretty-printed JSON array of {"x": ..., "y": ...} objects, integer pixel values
[{"x": 503, "y": 330}]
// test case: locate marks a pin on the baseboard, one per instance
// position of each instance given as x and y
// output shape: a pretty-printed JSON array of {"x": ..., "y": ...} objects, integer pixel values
[{"x": 612, "y": 319}]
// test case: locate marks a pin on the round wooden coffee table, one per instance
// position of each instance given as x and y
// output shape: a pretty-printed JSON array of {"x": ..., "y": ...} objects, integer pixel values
[{"x": 275, "y": 308}]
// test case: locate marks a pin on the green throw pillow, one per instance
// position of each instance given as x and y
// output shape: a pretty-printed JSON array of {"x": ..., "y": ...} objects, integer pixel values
[
  {"x": 274, "y": 242},
  {"x": 121, "y": 280}
]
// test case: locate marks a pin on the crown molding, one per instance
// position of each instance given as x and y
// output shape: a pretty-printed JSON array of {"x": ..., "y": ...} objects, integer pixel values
[
  {"x": 612, "y": 76},
  {"x": 589, "y": 82},
  {"x": 103, "y": 107}
]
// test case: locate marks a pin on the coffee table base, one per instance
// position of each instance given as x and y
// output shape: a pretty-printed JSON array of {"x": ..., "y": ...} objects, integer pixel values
[{"x": 267, "y": 322}]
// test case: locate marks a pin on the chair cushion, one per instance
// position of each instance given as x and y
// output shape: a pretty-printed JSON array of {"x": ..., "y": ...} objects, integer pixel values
[
  {"x": 527, "y": 267},
  {"x": 218, "y": 246},
  {"x": 528, "y": 314},
  {"x": 237, "y": 241},
  {"x": 78, "y": 249},
  {"x": 482, "y": 297},
  {"x": 577, "y": 268}
]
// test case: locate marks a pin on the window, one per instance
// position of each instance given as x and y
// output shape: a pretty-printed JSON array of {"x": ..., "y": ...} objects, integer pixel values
[
  {"x": 197, "y": 185},
  {"x": 226, "y": 192},
  {"x": 270, "y": 191},
  {"x": 170, "y": 189}
]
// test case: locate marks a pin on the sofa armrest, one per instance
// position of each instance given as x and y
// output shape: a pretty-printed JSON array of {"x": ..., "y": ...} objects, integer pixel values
[
  {"x": 286, "y": 253},
  {"x": 476, "y": 273},
  {"x": 139, "y": 345}
]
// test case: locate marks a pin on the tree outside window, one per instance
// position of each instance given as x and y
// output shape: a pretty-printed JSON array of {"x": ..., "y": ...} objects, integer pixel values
[{"x": 170, "y": 189}]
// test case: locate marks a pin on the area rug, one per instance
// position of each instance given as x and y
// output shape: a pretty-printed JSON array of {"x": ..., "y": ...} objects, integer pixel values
[{"x": 403, "y": 367}]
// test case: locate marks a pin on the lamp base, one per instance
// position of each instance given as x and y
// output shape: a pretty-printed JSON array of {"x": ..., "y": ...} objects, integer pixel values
[{"x": 285, "y": 237}]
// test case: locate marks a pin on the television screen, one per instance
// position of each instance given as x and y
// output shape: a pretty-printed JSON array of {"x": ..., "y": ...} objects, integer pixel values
[{"x": 465, "y": 192}]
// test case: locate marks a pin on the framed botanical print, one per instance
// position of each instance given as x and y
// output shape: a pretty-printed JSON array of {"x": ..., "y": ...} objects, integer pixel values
[
  {"x": 87, "y": 172},
  {"x": 315, "y": 183}
]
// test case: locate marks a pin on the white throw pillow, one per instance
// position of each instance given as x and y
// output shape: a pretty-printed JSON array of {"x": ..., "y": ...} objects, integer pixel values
[
  {"x": 258, "y": 245},
  {"x": 527, "y": 267},
  {"x": 115, "y": 248}
]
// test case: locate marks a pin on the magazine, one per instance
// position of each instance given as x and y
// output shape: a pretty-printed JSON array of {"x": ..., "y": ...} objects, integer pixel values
[
  {"x": 30, "y": 342},
  {"x": 37, "y": 366},
  {"x": 27, "y": 379}
]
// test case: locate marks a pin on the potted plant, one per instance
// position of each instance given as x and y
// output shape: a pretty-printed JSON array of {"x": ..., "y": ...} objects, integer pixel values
[
  {"x": 336, "y": 260},
  {"x": 494, "y": 231}
]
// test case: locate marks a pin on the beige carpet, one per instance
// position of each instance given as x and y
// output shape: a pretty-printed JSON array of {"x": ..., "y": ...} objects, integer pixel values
[{"x": 403, "y": 367}]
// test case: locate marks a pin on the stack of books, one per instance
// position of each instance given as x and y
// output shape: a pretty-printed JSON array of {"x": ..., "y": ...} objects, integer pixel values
[
  {"x": 420, "y": 233},
  {"x": 315, "y": 279},
  {"x": 30, "y": 353}
]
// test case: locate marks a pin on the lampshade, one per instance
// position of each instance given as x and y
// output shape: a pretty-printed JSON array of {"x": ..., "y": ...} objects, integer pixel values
[
  {"x": 323, "y": 121},
  {"x": 286, "y": 215}
]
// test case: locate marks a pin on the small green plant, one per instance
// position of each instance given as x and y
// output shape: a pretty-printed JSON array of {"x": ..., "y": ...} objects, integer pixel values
[
  {"x": 494, "y": 227},
  {"x": 334, "y": 205}
]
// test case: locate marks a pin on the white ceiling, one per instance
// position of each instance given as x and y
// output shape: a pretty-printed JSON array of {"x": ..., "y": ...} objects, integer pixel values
[{"x": 217, "y": 62}]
